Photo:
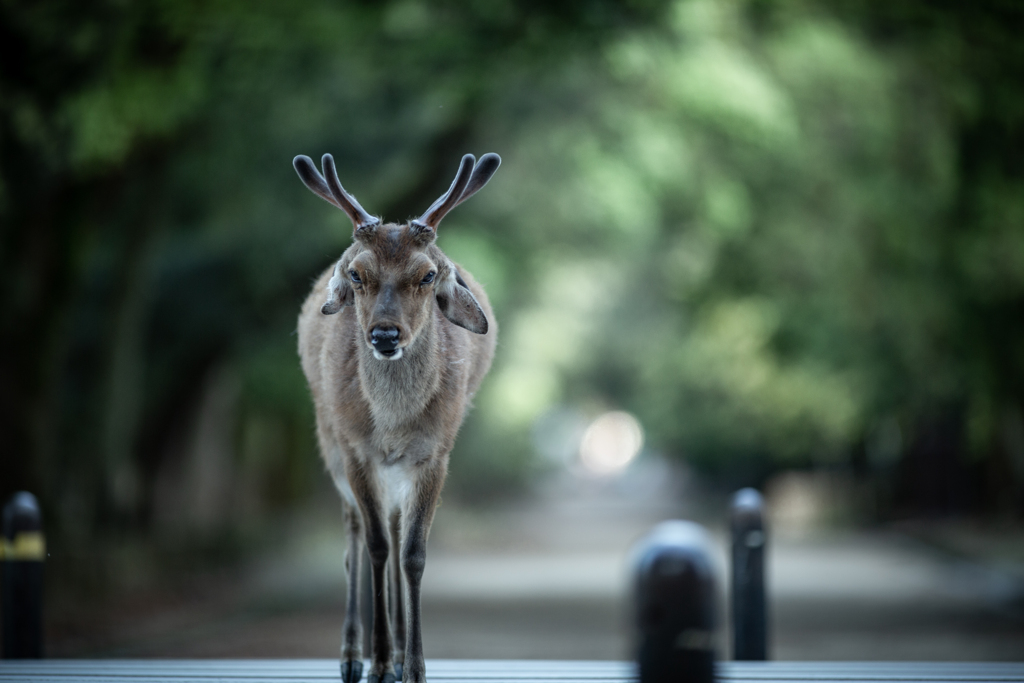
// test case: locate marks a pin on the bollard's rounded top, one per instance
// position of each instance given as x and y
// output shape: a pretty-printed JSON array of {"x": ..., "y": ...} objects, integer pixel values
[
  {"x": 747, "y": 511},
  {"x": 679, "y": 532},
  {"x": 673, "y": 545},
  {"x": 22, "y": 514},
  {"x": 748, "y": 498}
]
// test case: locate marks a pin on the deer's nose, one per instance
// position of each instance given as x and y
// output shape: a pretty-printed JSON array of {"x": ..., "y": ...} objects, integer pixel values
[{"x": 384, "y": 338}]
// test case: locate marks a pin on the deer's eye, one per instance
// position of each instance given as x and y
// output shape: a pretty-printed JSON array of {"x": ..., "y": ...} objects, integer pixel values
[
  {"x": 428, "y": 279},
  {"x": 355, "y": 276}
]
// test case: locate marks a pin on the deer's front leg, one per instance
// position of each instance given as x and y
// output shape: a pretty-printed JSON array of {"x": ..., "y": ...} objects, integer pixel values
[
  {"x": 418, "y": 516},
  {"x": 377, "y": 547},
  {"x": 395, "y": 595}
]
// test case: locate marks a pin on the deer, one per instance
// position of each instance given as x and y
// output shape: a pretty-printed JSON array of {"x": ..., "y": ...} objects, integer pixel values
[{"x": 393, "y": 357}]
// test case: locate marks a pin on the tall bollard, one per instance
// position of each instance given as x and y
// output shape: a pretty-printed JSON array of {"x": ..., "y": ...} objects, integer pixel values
[
  {"x": 24, "y": 550},
  {"x": 675, "y": 605},
  {"x": 749, "y": 540}
]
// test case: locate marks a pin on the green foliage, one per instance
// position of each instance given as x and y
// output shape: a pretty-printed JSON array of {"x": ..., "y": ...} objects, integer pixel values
[
  {"x": 767, "y": 242},
  {"x": 780, "y": 233}
]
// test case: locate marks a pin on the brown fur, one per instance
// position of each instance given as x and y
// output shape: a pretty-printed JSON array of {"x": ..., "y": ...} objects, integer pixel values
[{"x": 385, "y": 424}]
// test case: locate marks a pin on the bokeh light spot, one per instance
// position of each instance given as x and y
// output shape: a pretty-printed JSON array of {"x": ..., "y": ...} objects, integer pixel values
[{"x": 610, "y": 443}]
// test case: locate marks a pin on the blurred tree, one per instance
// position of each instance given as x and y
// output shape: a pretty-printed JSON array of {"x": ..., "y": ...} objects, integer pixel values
[
  {"x": 150, "y": 282},
  {"x": 799, "y": 242},
  {"x": 966, "y": 439},
  {"x": 784, "y": 234}
]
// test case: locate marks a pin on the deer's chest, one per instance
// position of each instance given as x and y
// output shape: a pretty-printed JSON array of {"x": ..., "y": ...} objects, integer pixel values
[{"x": 396, "y": 484}]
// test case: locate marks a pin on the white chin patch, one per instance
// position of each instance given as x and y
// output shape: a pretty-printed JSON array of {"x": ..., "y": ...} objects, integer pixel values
[{"x": 397, "y": 355}]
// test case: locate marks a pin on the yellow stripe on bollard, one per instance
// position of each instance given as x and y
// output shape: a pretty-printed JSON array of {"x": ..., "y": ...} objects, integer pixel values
[{"x": 27, "y": 546}]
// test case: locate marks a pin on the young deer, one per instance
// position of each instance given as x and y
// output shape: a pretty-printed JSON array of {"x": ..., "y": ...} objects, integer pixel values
[{"x": 393, "y": 358}]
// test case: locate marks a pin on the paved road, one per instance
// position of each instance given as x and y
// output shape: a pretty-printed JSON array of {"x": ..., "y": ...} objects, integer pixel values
[{"x": 547, "y": 578}]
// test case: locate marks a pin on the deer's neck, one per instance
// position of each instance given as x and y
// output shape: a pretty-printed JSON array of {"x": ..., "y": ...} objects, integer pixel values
[{"x": 398, "y": 391}]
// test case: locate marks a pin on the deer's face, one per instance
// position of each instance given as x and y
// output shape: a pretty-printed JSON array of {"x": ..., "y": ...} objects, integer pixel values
[{"x": 393, "y": 275}]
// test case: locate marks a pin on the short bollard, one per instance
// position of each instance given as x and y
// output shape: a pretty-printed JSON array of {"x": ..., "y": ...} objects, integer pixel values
[
  {"x": 675, "y": 605},
  {"x": 24, "y": 550},
  {"x": 749, "y": 611}
]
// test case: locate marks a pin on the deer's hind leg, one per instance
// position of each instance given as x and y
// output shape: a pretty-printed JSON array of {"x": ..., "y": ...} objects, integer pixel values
[{"x": 352, "y": 631}]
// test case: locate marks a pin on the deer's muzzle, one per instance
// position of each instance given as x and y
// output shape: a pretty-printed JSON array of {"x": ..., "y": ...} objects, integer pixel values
[{"x": 384, "y": 339}]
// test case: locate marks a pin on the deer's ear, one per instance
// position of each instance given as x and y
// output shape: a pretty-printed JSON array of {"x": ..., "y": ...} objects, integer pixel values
[
  {"x": 459, "y": 305},
  {"x": 339, "y": 291}
]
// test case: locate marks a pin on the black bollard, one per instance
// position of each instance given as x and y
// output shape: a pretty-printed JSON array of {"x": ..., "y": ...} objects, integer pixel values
[
  {"x": 675, "y": 605},
  {"x": 24, "y": 550},
  {"x": 749, "y": 612}
]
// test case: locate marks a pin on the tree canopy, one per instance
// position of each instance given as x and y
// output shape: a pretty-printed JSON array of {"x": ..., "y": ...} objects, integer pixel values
[{"x": 781, "y": 234}]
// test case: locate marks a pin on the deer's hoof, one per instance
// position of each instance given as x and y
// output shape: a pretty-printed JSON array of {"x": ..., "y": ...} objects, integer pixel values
[
  {"x": 385, "y": 678},
  {"x": 352, "y": 671},
  {"x": 398, "y": 672}
]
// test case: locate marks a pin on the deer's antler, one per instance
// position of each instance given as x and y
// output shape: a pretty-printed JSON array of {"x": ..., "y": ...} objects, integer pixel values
[
  {"x": 331, "y": 190},
  {"x": 468, "y": 181}
]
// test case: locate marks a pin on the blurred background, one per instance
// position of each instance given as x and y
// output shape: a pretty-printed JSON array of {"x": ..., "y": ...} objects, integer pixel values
[{"x": 732, "y": 243}]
